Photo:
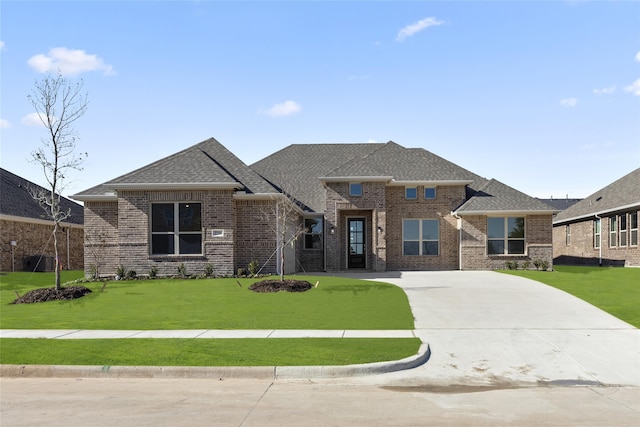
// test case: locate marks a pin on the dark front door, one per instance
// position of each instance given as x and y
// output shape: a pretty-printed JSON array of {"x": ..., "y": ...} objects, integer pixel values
[{"x": 357, "y": 238}]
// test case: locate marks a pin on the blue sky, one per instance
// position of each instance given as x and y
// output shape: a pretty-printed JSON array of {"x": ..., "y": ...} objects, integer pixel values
[{"x": 543, "y": 96}]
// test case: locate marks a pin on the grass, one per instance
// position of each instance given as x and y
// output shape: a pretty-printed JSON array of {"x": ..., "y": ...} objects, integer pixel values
[
  {"x": 337, "y": 303},
  {"x": 613, "y": 289},
  {"x": 206, "y": 352}
]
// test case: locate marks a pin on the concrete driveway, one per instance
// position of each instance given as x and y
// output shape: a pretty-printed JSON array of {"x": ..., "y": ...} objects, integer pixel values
[{"x": 497, "y": 330}]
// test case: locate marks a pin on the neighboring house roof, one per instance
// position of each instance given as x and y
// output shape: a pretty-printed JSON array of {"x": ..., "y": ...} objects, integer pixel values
[
  {"x": 620, "y": 195},
  {"x": 202, "y": 166},
  {"x": 499, "y": 198},
  {"x": 560, "y": 204},
  {"x": 16, "y": 200}
]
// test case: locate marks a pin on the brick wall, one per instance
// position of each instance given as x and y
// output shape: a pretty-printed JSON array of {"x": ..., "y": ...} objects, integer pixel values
[
  {"x": 256, "y": 236},
  {"x": 34, "y": 237},
  {"x": 101, "y": 254},
  {"x": 399, "y": 208},
  {"x": 538, "y": 243},
  {"x": 581, "y": 250}
]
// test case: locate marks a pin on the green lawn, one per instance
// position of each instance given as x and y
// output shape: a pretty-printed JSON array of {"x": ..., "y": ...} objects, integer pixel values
[
  {"x": 615, "y": 290},
  {"x": 337, "y": 303}
]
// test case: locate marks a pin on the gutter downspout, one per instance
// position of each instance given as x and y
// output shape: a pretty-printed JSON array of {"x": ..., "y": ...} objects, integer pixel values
[
  {"x": 600, "y": 247},
  {"x": 459, "y": 220}
]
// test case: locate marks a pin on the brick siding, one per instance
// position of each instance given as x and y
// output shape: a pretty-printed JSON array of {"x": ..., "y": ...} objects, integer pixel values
[
  {"x": 581, "y": 250},
  {"x": 35, "y": 238}
]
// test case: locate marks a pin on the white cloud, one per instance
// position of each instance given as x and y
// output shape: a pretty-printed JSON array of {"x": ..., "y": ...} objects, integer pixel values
[
  {"x": 569, "y": 102},
  {"x": 2, "y": 45},
  {"x": 605, "y": 90},
  {"x": 33, "y": 119},
  {"x": 634, "y": 88},
  {"x": 416, "y": 27},
  {"x": 287, "y": 108},
  {"x": 69, "y": 62},
  {"x": 638, "y": 57},
  {"x": 5, "y": 124}
]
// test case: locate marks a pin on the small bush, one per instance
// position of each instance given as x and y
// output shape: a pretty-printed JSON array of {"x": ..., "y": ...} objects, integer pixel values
[
  {"x": 121, "y": 272},
  {"x": 208, "y": 270},
  {"x": 182, "y": 270},
  {"x": 544, "y": 265},
  {"x": 511, "y": 265},
  {"x": 537, "y": 263},
  {"x": 526, "y": 265},
  {"x": 253, "y": 267},
  {"x": 153, "y": 272},
  {"x": 131, "y": 275},
  {"x": 94, "y": 273},
  {"x": 242, "y": 272}
]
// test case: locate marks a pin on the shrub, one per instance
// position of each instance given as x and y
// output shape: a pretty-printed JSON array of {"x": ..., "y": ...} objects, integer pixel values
[
  {"x": 544, "y": 265},
  {"x": 121, "y": 272},
  {"x": 511, "y": 265},
  {"x": 526, "y": 265},
  {"x": 153, "y": 272},
  {"x": 94, "y": 274},
  {"x": 131, "y": 275},
  {"x": 242, "y": 272},
  {"x": 208, "y": 270},
  {"x": 182, "y": 270},
  {"x": 537, "y": 263},
  {"x": 253, "y": 267}
]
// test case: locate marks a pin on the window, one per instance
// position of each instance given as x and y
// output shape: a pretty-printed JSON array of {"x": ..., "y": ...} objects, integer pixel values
[
  {"x": 567, "y": 233},
  {"x": 596, "y": 233},
  {"x": 171, "y": 237},
  {"x": 633, "y": 223},
  {"x": 429, "y": 193},
  {"x": 622, "y": 223},
  {"x": 355, "y": 189},
  {"x": 613, "y": 232},
  {"x": 420, "y": 237},
  {"x": 411, "y": 193},
  {"x": 505, "y": 236},
  {"x": 313, "y": 233}
]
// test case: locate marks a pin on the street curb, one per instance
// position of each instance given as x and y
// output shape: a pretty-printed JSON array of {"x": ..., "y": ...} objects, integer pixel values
[{"x": 218, "y": 372}]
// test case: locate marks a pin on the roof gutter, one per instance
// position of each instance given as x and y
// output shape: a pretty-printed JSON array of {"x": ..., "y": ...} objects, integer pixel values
[{"x": 596, "y": 214}]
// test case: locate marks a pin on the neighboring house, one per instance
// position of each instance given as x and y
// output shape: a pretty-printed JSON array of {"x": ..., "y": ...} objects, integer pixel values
[
  {"x": 602, "y": 229},
  {"x": 560, "y": 204},
  {"x": 27, "y": 233},
  {"x": 358, "y": 206}
]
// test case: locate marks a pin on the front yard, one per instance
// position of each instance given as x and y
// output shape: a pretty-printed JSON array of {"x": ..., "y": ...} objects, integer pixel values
[{"x": 336, "y": 303}]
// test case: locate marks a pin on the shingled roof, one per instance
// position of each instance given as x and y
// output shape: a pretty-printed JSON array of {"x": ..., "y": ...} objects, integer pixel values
[
  {"x": 620, "y": 195},
  {"x": 496, "y": 197},
  {"x": 301, "y": 169},
  {"x": 16, "y": 200},
  {"x": 207, "y": 164}
]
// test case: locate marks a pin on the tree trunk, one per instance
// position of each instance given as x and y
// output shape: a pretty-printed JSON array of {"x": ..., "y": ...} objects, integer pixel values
[{"x": 57, "y": 258}]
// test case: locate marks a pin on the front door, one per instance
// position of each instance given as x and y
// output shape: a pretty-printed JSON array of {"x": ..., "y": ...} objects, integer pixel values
[{"x": 357, "y": 238}]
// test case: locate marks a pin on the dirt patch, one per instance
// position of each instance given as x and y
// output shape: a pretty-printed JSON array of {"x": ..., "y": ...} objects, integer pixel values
[
  {"x": 51, "y": 294},
  {"x": 288, "y": 285}
]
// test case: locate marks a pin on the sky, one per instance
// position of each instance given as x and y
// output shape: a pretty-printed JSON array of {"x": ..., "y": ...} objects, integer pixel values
[{"x": 541, "y": 95}]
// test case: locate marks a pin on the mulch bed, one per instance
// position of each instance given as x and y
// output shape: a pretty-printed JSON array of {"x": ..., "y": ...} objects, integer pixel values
[
  {"x": 50, "y": 294},
  {"x": 288, "y": 285}
]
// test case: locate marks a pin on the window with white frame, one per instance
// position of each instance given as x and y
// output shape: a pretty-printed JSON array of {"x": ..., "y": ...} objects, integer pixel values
[
  {"x": 355, "y": 189},
  {"x": 596, "y": 233},
  {"x": 505, "y": 235},
  {"x": 410, "y": 193},
  {"x": 313, "y": 233},
  {"x": 622, "y": 226},
  {"x": 429, "y": 193},
  {"x": 633, "y": 229},
  {"x": 420, "y": 237},
  {"x": 613, "y": 232},
  {"x": 567, "y": 234},
  {"x": 176, "y": 228}
]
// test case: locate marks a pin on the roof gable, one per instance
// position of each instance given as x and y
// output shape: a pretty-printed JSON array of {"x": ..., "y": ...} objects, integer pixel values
[
  {"x": 207, "y": 164},
  {"x": 620, "y": 194},
  {"x": 16, "y": 200}
]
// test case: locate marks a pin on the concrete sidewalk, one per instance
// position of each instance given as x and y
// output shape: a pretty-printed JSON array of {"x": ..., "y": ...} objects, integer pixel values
[{"x": 202, "y": 333}]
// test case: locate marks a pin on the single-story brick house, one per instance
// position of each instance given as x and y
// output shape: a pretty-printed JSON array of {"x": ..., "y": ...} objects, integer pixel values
[
  {"x": 601, "y": 229},
  {"x": 357, "y": 207},
  {"x": 26, "y": 232}
]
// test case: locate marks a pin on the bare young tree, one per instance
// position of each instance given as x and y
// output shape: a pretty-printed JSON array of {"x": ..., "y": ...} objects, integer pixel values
[{"x": 59, "y": 103}]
